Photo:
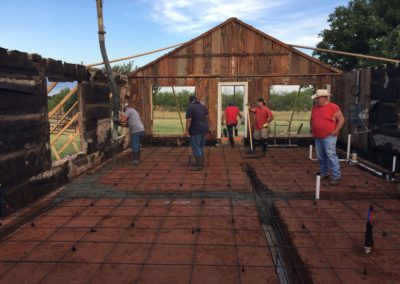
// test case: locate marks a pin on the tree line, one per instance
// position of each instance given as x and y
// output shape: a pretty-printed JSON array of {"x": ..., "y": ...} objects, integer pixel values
[{"x": 284, "y": 101}]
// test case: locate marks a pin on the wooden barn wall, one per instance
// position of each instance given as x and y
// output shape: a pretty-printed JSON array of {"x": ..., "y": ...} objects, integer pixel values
[
  {"x": 207, "y": 92},
  {"x": 230, "y": 53}
]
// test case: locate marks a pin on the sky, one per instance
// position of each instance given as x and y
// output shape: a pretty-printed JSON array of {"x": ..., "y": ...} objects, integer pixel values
[{"x": 67, "y": 30}]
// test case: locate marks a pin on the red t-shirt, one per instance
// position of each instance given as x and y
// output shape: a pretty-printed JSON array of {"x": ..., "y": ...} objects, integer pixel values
[
  {"x": 322, "y": 120},
  {"x": 262, "y": 115},
  {"x": 231, "y": 113}
]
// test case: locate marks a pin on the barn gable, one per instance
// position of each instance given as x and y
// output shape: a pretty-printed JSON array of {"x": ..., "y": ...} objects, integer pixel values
[{"x": 232, "y": 49}]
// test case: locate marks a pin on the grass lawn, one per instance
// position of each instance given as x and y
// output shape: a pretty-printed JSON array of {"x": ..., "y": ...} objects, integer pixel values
[
  {"x": 168, "y": 124},
  {"x": 70, "y": 150}
]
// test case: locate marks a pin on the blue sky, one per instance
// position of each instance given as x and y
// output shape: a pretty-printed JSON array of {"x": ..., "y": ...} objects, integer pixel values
[{"x": 67, "y": 30}]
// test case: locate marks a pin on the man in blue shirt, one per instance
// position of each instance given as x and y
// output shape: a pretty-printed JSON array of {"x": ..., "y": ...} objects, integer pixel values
[{"x": 197, "y": 128}]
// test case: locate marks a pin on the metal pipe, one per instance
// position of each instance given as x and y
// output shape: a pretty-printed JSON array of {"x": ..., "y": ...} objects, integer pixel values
[
  {"x": 394, "y": 164},
  {"x": 369, "y": 168},
  {"x": 348, "y": 146},
  {"x": 310, "y": 153},
  {"x": 112, "y": 85},
  {"x": 317, "y": 185}
]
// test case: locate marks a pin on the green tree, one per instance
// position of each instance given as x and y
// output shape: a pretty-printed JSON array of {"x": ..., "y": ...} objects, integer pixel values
[
  {"x": 370, "y": 27},
  {"x": 123, "y": 68},
  {"x": 53, "y": 101},
  {"x": 167, "y": 99},
  {"x": 284, "y": 101}
]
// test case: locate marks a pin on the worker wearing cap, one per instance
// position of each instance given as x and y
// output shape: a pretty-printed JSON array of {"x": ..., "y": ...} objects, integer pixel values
[
  {"x": 263, "y": 117},
  {"x": 230, "y": 116},
  {"x": 326, "y": 121},
  {"x": 136, "y": 130},
  {"x": 197, "y": 128}
]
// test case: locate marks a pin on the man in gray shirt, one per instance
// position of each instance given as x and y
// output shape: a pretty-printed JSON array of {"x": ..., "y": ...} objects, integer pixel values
[{"x": 136, "y": 130}]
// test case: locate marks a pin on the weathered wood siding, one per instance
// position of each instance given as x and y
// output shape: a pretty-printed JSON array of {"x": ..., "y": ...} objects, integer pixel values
[{"x": 231, "y": 52}]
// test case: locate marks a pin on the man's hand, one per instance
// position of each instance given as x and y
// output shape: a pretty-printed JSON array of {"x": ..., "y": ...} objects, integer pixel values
[
  {"x": 335, "y": 132},
  {"x": 187, "y": 133}
]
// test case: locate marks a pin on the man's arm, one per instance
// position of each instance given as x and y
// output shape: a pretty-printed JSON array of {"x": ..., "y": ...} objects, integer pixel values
[
  {"x": 188, "y": 121},
  {"x": 270, "y": 117},
  {"x": 340, "y": 122},
  {"x": 123, "y": 118}
]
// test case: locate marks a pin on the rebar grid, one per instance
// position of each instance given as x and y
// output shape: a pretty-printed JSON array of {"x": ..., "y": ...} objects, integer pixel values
[{"x": 222, "y": 222}]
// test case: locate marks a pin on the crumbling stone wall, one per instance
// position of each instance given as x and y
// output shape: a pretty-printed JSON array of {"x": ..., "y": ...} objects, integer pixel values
[{"x": 26, "y": 169}]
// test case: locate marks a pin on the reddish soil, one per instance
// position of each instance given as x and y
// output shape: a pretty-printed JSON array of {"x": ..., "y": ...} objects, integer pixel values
[{"x": 167, "y": 235}]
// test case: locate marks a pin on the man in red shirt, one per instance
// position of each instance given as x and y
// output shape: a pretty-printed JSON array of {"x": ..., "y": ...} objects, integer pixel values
[
  {"x": 231, "y": 115},
  {"x": 263, "y": 117},
  {"x": 326, "y": 121}
]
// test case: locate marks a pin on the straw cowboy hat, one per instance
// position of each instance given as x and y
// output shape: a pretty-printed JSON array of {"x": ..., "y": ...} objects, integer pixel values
[{"x": 321, "y": 93}]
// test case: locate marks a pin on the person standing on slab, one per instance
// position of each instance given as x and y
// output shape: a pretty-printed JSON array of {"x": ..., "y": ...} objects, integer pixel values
[
  {"x": 263, "y": 117},
  {"x": 136, "y": 130},
  {"x": 196, "y": 129},
  {"x": 326, "y": 121},
  {"x": 230, "y": 116}
]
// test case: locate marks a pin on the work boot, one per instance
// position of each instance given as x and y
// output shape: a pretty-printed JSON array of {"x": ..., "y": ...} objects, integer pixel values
[
  {"x": 232, "y": 142},
  {"x": 136, "y": 158},
  {"x": 197, "y": 166},
  {"x": 264, "y": 149},
  {"x": 335, "y": 181},
  {"x": 201, "y": 161}
]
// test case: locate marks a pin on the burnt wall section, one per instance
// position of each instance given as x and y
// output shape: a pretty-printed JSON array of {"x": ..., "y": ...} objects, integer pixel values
[
  {"x": 385, "y": 113},
  {"x": 26, "y": 169},
  {"x": 370, "y": 100},
  {"x": 94, "y": 103},
  {"x": 24, "y": 127}
]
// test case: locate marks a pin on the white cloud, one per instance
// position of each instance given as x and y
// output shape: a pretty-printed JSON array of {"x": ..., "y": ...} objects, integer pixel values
[
  {"x": 298, "y": 29},
  {"x": 197, "y": 16},
  {"x": 291, "y": 21}
]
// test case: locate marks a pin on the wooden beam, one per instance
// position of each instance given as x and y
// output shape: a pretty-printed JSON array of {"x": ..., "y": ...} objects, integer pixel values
[
  {"x": 54, "y": 150},
  {"x": 62, "y": 102},
  {"x": 63, "y": 117},
  {"x": 51, "y": 87},
  {"x": 64, "y": 128},
  {"x": 70, "y": 140},
  {"x": 240, "y": 76},
  {"x": 137, "y": 55},
  {"x": 229, "y": 54},
  {"x": 348, "y": 53}
]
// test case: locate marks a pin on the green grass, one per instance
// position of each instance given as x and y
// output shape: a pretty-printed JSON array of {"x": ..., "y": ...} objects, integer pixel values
[
  {"x": 70, "y": 150},
  {"x": 166, "y": 127},
  {"x": 168, "y": 124}
]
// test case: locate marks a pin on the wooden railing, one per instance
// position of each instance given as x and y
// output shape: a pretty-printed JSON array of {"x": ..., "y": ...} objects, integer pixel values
[{"x": 64, "y": 123}]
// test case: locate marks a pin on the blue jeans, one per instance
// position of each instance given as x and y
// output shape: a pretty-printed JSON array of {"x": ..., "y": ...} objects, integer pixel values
[
  {"x": 197, "y": 142},
  {"x": 326, "y": 154},
  {"x": 230, "y": 128},
  {"x": 135, "y": 141}
]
